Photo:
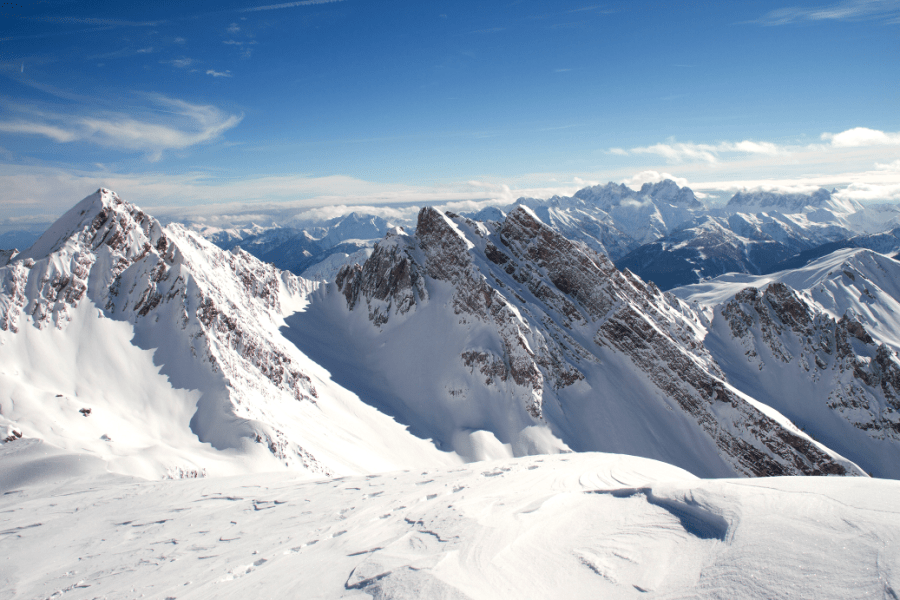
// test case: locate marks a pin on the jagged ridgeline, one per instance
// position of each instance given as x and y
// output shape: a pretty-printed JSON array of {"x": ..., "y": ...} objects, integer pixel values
[
  {"x": 464, "y": 341},
  {"x": 537, "y": 331}
]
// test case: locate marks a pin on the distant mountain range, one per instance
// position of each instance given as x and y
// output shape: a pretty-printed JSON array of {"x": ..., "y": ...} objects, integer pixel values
[{"x": 662, "y": 232}]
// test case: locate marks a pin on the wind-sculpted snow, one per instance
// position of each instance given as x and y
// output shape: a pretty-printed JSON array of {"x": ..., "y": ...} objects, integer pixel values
[
  {"x": 223, "y": 373},
  {"x": 570, "y": 526},
  {"x": 571, "y": 338}
]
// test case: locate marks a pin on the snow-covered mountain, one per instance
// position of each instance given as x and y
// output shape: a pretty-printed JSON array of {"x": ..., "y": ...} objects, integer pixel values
[
  {"x": 884, "y": 242},
  {"x": 614, "y": 219},
  {"x": 710, "y": 246},
  {"x": 161, "y": 353},
  {"x": 819, "y": 344},
  {"x": 821, "y": 205},
  {"x": 314, "y": 252},
  {"x": 507, "y": 339}
]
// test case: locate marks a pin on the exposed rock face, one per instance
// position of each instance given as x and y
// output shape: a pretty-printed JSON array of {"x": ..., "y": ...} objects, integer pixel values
[
  {"x": 562, "y": 310},
  {"x": 221, "y": 305},
  {"x": 389, "y": 281},
  {"x": 863, "y": 377}
]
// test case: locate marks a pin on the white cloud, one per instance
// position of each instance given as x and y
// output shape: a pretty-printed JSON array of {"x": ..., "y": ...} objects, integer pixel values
[
  {"x": 749, "y": 147},
  {"x": 676, "y": 153},
  {"x": 894, "y": 166},
  {"x": 870, "y": 192},
  {"x": 862, "y": 136},
  {"x": 233, "y": 28},
  {"x": 180, "y": 125},
  {"x": 729, "y": 152},
  {"x": 710, "y": 153},
  {"x": 56, "y": 134},
  {"x": 218, "y": 73}
]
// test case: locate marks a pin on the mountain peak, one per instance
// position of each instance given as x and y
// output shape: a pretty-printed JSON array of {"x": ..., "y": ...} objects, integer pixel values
[{"x": 100, "y": 218}]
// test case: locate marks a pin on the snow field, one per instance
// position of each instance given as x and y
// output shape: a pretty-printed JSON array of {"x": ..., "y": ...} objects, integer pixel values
[{"x": 564, "y": 526}]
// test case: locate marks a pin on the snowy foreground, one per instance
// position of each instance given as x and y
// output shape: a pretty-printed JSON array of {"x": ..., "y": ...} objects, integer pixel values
[{"x": 563, "y": 526}]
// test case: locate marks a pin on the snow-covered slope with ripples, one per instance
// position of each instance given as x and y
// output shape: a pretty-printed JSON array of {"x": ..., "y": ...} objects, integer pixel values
[{"x": 567, "y": 526}]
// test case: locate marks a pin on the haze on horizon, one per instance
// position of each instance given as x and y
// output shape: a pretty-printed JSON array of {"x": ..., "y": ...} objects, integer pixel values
[{"x": 341, "y": 102}]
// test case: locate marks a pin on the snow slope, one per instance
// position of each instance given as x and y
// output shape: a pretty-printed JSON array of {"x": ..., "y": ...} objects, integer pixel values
[{"x": 568, "y": 526}]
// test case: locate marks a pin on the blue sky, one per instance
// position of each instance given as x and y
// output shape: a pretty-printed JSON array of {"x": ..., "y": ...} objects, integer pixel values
[{"x": 214, "y": 106}]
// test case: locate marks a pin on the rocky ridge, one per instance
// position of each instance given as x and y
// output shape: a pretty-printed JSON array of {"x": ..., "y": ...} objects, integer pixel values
[
  {"x": 863, "y": 376},
  {"x": 563, "y": 311}
]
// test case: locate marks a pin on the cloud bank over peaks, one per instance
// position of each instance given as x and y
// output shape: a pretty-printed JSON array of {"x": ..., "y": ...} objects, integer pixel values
[
  {"x": 638, "y": 180},
  {"x": 164, "y": 124}
]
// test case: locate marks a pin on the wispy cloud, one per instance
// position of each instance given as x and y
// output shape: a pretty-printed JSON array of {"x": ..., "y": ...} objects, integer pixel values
[
  {"x": 680, "y": 152},
  {"x": 586, "y": 8},
  {"x": 286, "y": 5},
  {"x": 95, "y": 21},
  {"x": 57, "y": 134},
  {"x": 848, "y": 10},
  {"x": 167, "y": 124},
  {"x": 181, "y": 63},
  {"x": 218, "y": 73}
]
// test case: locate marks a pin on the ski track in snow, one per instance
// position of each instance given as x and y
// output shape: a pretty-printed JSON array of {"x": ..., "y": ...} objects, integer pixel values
[{"x": 564, "y": 526}]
